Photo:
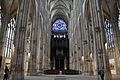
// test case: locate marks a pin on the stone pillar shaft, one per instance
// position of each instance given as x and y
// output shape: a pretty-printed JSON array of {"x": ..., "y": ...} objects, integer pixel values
[
  {"x": 3, "y": 29},
  {"x": 33, "y": 46},
  {"x": 22, "y": 17},
  {"x": 93, "y": 29},
  {"x": 99, "y": 40}
]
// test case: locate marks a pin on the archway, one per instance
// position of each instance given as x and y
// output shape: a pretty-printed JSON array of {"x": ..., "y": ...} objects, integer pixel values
[{"x": 59, "y": 56}]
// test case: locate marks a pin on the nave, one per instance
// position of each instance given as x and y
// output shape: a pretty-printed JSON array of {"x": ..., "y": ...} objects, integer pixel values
[{"x": 78, "y": 37}]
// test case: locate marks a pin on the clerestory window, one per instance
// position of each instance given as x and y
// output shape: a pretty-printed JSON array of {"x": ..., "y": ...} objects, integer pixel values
[
  {"x": 119, "y": 18},
  {"x": 0, "y": 16},
  {"x": 59, "y": 26}
]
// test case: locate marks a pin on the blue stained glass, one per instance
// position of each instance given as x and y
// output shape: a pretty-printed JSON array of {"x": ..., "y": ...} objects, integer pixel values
[{"x": 59, "y": 25}]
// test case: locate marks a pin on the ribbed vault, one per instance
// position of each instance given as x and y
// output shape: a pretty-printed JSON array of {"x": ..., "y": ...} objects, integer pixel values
[{"x": 59, "y": 9}]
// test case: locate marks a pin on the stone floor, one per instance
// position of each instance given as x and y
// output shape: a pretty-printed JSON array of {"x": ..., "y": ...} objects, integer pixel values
[
  {"x": 66, "y": 77},
  {"x": 116, "y": 77}
]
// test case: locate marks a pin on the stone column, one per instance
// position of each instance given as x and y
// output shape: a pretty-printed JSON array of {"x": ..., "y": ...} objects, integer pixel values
[
  {"x": 104, "y": 55},
  {"x": 34, "y": 43},
  {"x": 81, "y": 43},
  {"x": 97, "y": 22},
  {"x": 3, "y": 29},
  {"x": 93, "y": 29},
  {"x": 48, "y": 40},
  {"x": 22, "y": 17},
  {"x": 41, "y": 44},
  {"x": 70, "y": 41},
  {"x": 114, "y": 21},
  {"x": 95, "y": 35},
  {"x": 45, "y": 41}
]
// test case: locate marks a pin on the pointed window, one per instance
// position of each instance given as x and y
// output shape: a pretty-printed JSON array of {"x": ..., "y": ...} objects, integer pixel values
[
  {"x": 109, "y": 33},
  {"x": 59, "y": 26},
  {"x": 9, "y": 39},
  {"x": 0, "y": 16},
  {"x": 119, "y": 18}
]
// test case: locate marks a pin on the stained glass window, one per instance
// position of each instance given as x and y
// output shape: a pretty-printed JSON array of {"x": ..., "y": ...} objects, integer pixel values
[
  {"x": 109, "y": 33},
  {"x": 9, "y": 39},
  {"x": 109, "y": 37},
  {"x": 119, "y": 19},
  {"x": 0, "y": 16},
  {"x": 59, "y": 25}
]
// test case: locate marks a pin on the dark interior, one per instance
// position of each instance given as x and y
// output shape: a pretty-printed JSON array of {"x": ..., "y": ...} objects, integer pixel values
[{"x": 59, "y": 52}]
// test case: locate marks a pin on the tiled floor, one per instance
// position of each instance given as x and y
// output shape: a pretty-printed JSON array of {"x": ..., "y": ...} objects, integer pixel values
[
  {"x": 116, "y": 77},
  {"x": 66, "y": 77},
  {"x": 59, "y": 77}
]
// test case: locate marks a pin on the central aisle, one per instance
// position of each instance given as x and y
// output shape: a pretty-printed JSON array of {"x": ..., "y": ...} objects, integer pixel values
[{"x": 61, "y": 77}]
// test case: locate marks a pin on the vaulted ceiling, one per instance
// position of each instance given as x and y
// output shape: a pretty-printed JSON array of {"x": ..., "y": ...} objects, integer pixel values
[
  {"x": 57, "y": 8},
  {"x": 60, "y": 9},
  {"x": 10, "y": 6}
]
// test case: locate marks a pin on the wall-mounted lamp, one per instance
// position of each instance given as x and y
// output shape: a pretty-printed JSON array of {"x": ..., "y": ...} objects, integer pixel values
[
  {"x": 106, "y": 46},
  {"x": 91, "y": 55},
  {"x": 82, "y": 58}
]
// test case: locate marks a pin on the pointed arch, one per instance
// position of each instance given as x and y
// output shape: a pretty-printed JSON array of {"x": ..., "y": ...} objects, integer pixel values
[{"x": 59, "y": 26}]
